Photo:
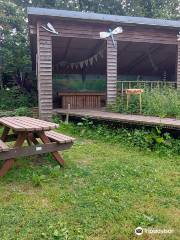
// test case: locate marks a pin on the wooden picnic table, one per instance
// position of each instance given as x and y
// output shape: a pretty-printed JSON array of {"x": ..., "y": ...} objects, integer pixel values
[{"x": 39, "y": 136}]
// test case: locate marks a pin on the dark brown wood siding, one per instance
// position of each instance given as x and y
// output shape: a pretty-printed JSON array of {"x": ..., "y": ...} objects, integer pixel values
[
  {"x": 111, "y": 71},
  {"x": 44, "y": 56},
  {"x": 178, "y": 65},
  {"x": 130, "y": 33}
]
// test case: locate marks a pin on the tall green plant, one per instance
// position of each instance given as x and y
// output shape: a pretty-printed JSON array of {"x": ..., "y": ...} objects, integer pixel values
[
  {"x": 14, "y": 51},
  {"x": 16, "y": 98},
  {"x": 164, "y": 102}
]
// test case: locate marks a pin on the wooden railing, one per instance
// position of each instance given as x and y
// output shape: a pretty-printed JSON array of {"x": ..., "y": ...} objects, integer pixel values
[{"x": 122, "y": 85}]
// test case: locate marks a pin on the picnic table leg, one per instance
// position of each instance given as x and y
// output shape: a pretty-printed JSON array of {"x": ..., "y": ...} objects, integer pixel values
[
  {"x": 56, "y": 155},
  {"x": 5, "y": 134},
  {"x": 32, "y": 138},
  {"x": 29, "y": 139},
  {"x": 8, "y": 164}
]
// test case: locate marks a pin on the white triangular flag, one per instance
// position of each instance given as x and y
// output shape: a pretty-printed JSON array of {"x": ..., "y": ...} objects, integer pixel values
[
  {"x": 91, "y": 60},
  {"x": 86, "y": 62},
  {"x": 81, "y": 64},
  {"x": 96, "y": 57}
]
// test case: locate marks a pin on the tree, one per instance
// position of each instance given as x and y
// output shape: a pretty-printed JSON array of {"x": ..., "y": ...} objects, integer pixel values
[
  {"x": 167, "y": 9},
  {"x": 14, "y": 49}
]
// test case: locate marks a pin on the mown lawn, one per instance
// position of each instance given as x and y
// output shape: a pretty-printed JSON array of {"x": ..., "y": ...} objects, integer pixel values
[{"x": 105, "y": 191}]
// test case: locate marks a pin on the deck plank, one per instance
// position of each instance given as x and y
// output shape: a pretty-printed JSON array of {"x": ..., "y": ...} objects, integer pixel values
[{"x": 123, "y": 118}]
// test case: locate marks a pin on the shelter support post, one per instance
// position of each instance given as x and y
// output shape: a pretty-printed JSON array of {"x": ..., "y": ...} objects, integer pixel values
[
  {"x": 178, "y": 64},
  {"x": 111, "y": 71},
  {"x": 44, "y": 62}
]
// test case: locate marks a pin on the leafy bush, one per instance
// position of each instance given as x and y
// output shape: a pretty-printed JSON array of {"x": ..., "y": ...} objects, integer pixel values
[
  {"x": 23, "y": 111},
  {"x": 15, "y": 98},
  {"x": 4, "y": 113},
  {"x": 145, "y": 139},
  {"x": 164, "y": 102}
]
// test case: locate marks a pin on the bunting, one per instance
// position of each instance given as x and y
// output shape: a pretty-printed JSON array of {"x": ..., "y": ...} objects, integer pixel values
[{"x": 84, "y": 63}]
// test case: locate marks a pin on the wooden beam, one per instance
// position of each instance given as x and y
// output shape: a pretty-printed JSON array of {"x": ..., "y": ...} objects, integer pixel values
[
  {"x": 34, "y": 150},
  {"x": 32, "y": 29},
  {"x": 130, "y": 33},
  {"x": 44, "y": 59},
  {"x": 111, "y": 71}
]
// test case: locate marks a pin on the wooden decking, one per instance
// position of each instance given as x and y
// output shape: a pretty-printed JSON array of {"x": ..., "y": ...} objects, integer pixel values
[{"x": 122, "y": 118}]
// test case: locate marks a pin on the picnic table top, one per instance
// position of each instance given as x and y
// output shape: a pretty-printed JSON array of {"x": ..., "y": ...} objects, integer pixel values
[{"x": 27, "y": 124}]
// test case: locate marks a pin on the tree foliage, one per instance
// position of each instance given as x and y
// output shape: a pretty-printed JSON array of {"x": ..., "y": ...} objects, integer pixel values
[
  {"x": 14, "y": 49},
  {"x": 167, "y": 9}
]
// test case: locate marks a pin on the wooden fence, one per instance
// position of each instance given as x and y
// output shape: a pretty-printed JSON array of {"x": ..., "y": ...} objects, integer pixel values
[{"x": 122, "y": 85}]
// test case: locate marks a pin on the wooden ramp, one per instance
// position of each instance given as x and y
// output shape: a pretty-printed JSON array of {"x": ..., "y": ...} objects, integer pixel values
[{"x": 122, "y": 118}]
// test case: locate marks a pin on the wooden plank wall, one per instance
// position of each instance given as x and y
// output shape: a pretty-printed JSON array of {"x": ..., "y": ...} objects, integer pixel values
[
  {"x": 44, "y": 61},
  {"x": 130, "y": 33},
  {"x": 178, "y": 64},
  {"x": 111, "y": 71}
]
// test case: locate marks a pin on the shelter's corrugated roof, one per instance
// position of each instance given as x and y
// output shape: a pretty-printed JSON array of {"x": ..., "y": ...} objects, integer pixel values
[{"x": 90, "y": 16}]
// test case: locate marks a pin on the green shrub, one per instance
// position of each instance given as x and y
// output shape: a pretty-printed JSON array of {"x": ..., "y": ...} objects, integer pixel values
[
  {"x": 144, "y": 139},
  {"x": 15, "y": 98},
  {"x": 4, "y": 113},
  {"x": 164, "y": 102},
  {"x": 23, "y": 111}
]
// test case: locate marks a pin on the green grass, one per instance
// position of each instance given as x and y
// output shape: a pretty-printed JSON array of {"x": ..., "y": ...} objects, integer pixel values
[{"x": 104, "y": 192}]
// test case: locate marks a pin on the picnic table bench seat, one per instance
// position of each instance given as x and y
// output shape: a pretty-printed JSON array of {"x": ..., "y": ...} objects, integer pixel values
[{"x": 58, "y": 137}]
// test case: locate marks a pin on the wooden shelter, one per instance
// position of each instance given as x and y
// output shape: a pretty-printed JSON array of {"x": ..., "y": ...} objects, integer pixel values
[{"x": 71, "y": 43}]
